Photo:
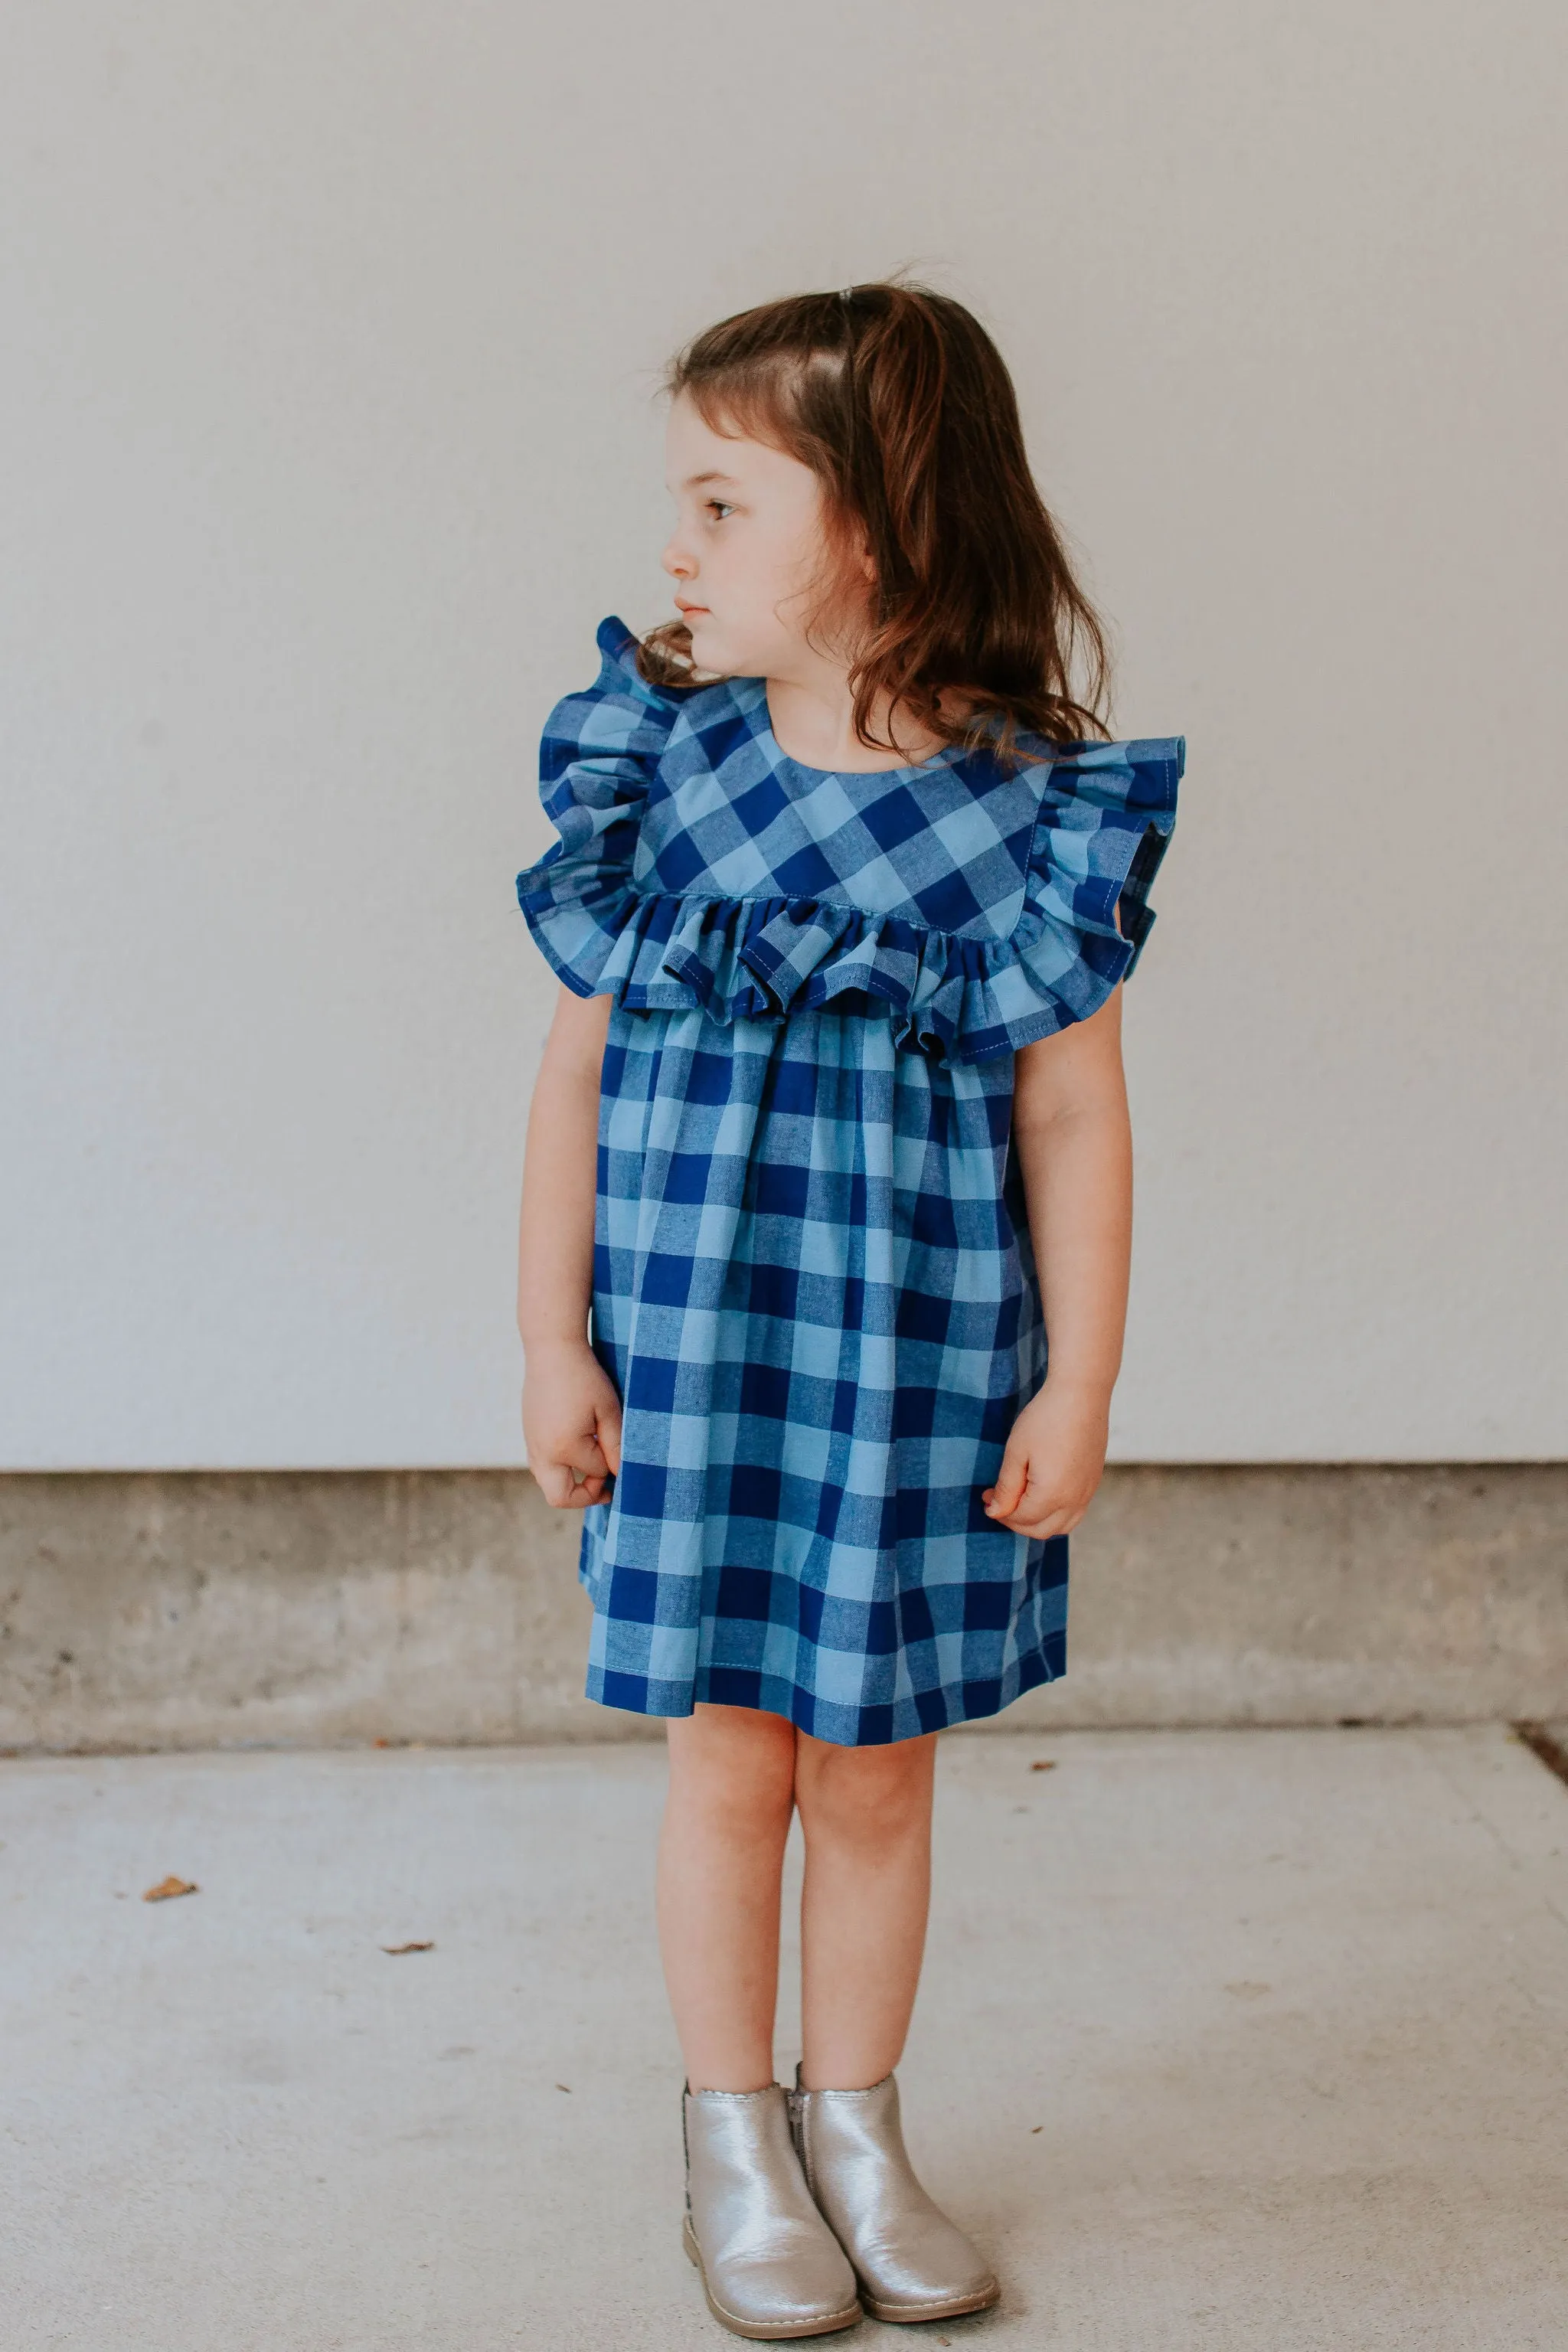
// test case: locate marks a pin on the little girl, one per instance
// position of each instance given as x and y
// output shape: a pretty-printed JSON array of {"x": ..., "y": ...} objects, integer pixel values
[{"x": 848, "y": 878}]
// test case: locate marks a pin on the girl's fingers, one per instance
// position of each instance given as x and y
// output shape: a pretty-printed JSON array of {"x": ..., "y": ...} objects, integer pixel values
[
  {"x": 610, "y": 1438},
  {"x": 588, "y": 1480},
  {"x": 554, "y": 1483},
  {"x": 571, "y": 1484},
  {"x": 1003, "y": 1500},
  {"x": 1039, "y": 1520}
]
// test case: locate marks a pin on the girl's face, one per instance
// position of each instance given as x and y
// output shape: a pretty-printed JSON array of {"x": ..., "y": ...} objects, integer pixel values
[{"x": 748, "y": 553}]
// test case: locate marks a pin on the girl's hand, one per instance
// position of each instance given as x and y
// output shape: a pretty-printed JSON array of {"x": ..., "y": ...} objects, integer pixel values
[
  {"x": 1054, "y": 1461},
  {"x": 570, "y": 1423}
]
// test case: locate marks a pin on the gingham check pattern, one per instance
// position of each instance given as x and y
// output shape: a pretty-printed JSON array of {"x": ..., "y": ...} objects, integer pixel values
[
  {"x": 820, "y": 1314},
  {"x": 813, "y": 1281}
]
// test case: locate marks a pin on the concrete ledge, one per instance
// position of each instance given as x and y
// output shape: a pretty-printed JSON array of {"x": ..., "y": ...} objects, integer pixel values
[{"x": 295, "y": 1609}]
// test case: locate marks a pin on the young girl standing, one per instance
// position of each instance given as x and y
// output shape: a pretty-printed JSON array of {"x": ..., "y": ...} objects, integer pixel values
[{"x": 846, "y": 885}]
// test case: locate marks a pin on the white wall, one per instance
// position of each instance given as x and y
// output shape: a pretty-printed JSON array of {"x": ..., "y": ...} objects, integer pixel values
[{"x": 326, "y": 438}]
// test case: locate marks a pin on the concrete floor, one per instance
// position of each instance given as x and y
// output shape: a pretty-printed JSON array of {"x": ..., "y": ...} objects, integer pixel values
[{"x": 1252, "y": 2040}]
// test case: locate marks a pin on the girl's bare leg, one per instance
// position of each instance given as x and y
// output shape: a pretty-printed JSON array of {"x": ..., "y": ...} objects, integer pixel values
[
  {"x": 720, "y": 1859},
  {"x": 866, "y": 1813}
]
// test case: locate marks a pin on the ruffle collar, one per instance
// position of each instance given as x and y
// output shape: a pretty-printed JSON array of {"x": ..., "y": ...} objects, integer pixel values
[{"x": 1106, "y": 814}]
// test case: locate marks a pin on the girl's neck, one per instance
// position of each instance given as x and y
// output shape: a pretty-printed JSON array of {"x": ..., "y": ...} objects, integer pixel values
[{"x": 813, "y": 723}]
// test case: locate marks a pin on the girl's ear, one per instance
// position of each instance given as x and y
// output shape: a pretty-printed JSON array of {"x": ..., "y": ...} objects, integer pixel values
[{"x": 854, "y": 546}]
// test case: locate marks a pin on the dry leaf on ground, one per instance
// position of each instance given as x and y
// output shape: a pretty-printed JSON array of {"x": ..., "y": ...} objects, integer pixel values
[
  {"x": 167, "y": 1889},
  {"x": 397, "y": 1950},
  {"x": 1043, "y": 1764}
]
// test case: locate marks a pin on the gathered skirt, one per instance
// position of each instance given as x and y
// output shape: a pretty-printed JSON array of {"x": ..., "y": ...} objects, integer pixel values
[{"x": 815, "y": 1292}]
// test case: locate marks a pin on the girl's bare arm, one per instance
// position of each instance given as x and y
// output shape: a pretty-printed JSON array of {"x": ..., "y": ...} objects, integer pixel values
[
  {"x": 571, "y": 1413},
  {"x": 1075, "y": 1149}
]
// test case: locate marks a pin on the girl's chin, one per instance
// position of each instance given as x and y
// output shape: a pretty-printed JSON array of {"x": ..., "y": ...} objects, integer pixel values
[{"x": 708, "y": 649}]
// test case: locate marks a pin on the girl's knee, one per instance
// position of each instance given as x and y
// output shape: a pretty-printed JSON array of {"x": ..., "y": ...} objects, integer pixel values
[
  {"x": 733, "y": 1759},
  {"x": 871, "y": 1793}
]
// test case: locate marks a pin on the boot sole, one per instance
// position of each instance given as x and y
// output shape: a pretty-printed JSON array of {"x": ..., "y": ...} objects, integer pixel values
[
  {"x": 763, "y": 2331},
  {"x": 954, "y": 2308}
]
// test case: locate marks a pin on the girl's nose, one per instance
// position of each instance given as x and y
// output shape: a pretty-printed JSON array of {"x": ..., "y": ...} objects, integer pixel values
[{"x": 676, "y": 561}]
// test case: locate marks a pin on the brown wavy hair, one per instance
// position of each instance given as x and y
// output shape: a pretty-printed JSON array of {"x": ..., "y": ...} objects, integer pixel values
[{"x": 900, "y": 404}]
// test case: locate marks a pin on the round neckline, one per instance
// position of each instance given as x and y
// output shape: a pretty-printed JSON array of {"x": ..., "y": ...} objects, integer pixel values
[{"x": 941, "y": 758}]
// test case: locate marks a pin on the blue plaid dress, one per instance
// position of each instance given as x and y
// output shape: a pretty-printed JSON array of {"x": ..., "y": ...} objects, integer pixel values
[{"x": 813, "y": 1287}]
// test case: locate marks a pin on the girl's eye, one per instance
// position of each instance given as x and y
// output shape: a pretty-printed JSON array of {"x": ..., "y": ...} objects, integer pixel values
[{"x": 717, "y": 508}]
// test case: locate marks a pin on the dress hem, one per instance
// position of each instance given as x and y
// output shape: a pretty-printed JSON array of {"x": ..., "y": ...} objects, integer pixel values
[{"x": 631, "y": 1695}]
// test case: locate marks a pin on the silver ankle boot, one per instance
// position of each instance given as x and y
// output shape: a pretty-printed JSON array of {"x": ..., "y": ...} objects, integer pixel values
[
  {"x": 771, "y": 2266},
  {"x": 911, "y": 2262}
]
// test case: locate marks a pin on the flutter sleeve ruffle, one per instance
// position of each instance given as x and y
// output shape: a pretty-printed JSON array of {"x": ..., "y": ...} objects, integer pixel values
[
  {"x": 597, "y": 762},
  {"x": 1106, "y": 815}
]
